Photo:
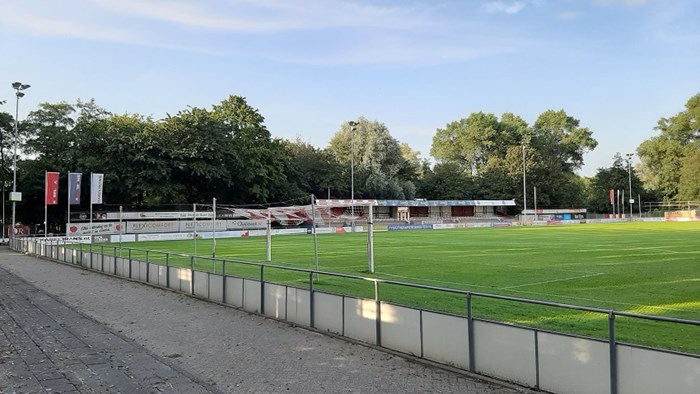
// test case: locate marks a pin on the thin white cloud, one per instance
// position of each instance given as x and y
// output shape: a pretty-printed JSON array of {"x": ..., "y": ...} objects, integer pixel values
[
  {"x": 270, "y": 15},
  {"x": 304, "y": 31},
  {"x": 569, "y": 15},
  {"x": 507, "y": 7},
  {"x": 630, "y": 3}
]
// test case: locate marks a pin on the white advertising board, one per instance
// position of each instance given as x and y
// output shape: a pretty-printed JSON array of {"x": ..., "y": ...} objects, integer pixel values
[
  {"x": 160, "y": 226},
  {"x": 245, "y": 224},
  {"x": 202, "y": 225},
  {"x": 155, "y": 215},
  {"x": 101, "y": 228}
]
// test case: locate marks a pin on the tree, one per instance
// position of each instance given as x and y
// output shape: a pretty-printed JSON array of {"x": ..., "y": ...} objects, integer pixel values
[
  {"x": 447, "y": 181},
  {"x": 313, "y": 171},
  {"x": 689, "y": 188},
  {"x": 664, "y": 156},
  {"x": 492, "y": 149},
  {"x": 381, "y": 171},
  {"x": 615, "y": 177}
]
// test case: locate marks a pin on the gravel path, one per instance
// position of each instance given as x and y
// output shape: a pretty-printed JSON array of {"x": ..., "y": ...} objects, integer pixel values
[{"x": 212, "y": 347}]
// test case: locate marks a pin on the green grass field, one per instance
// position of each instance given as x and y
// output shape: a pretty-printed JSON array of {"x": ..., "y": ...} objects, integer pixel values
[{"x": 646, "y": 268}]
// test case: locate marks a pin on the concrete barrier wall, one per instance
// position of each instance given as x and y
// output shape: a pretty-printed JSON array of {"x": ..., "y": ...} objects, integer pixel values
[
  {"x": 216, "y": 288},
  {"x": 360, "y": 319},
  {"x": 276, "y": 301},
  {"x": 401, "y": 329},
  {"x": 234, "y": 291},
  {"x": 506, "y": 352},
  {"x": 201, "y": 284},
  {"x": 650, "y": 371},
  {"x": 328, "y": 312},
  {"x": 446, "y": 339},
  {"x": 549, "y": 361},
  {"x": 251, "y": 295},
  {"x": 568, "y": 363},
  {"x": 299, "y": 306}
]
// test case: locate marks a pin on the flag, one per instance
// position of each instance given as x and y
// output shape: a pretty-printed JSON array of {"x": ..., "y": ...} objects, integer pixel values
[
  {"x": 612, "y": 197},
  {"x": 74, "y": 180},
  {"x": 52, "y": 188},
  {"x": 96, "y": 188}
]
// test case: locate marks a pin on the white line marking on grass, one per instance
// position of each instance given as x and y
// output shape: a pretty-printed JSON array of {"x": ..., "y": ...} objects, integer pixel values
[
  {"x": 552, "y": 281},
  {"x": 601, "y": 301},
  {"x": 418, "y": 280}
]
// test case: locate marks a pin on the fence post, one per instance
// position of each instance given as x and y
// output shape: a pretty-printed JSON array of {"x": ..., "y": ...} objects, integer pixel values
[
  {"x": 192, "y": 274},
  {"x": 311, "y": 299},
  {"x": 470, "y": 331},
  {"x": 167, "y": 270},
  {"x": 114, "y": 260},
  {"x": 102, "y": 258},
  {"x": 148, "y": 268},
  {"x": 613, "y": 352},
  {"x": 223, "y": 277},
  {"x": 90, "y": 255},
  {"x": 378, "y": 308},
  {"x": 81, "y": 253},
  {"x": 262, "y": 290},
  {"x": 129, "y": 263}
]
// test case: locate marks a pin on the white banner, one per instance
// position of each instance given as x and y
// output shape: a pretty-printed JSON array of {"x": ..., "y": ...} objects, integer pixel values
[
  {"x": 96, "y": 188},
  {"x": 202, "y": 225},
  {"x": 157, "y": 215},
  {"x": 96, "y": 229},
  {"x": 161, "y": 226},
  {"x": 245, "y": 224}
]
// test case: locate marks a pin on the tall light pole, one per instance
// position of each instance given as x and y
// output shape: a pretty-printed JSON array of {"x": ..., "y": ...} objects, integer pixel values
[
  {"x": 524, "y": 189},
  {"x": 629, "y": 174},
  {"x": 18, "y": 87},
  {"x": 352, "y": 125}
]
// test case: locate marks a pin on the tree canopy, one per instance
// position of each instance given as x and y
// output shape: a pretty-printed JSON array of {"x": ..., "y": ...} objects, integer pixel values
[{"x": 670, "y": 158}]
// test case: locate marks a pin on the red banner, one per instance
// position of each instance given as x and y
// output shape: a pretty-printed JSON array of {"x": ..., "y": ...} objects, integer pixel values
[
  {"x": 52, "y": 188},
  {"x": 612, "y": 197}
]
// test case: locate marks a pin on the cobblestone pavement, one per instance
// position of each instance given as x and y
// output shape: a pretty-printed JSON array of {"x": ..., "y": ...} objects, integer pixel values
[
  {"x": 49, "y": 347},
  {"x": 65, "y": 329}
]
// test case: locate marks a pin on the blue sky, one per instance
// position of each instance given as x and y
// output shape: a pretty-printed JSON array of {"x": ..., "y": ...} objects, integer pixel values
[{"x": 310, "y": 65}]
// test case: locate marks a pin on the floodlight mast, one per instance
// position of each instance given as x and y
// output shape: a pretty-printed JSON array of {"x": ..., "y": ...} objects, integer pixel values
[
  {"x": 19, "y": 87},
  {"x": 353, "y": 126},
  {"x": 629, "y": 174}
]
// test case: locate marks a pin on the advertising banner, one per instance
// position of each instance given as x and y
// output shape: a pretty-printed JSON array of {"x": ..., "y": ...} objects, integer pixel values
[
  {"x": 202, "y": 225},
  {"x": 96, "y": 229},
  {"x": 161, "y": 226},
  {"x": 157, "y": 215},
  {"x": 403, "y": 227},
  {"x": 74, "y": 181},
  {"x": 52, "y": 188},
  {"x": 245, "y": 224},
  {"x": 96, "y": 188}
]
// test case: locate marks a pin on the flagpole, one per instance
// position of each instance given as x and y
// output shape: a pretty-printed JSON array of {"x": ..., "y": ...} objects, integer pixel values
[
  {"x": 68, "y": 203},
  {"x": 91, "y": 188},
  {"x": 213, "y": 228},
  {"x": 46, "y": 215}
]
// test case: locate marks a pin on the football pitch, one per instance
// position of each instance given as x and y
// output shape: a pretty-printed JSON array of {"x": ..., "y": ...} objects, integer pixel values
[{"x": 642, "y": 267}]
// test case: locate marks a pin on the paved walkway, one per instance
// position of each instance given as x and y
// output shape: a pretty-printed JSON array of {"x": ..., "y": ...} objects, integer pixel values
[{"x": 67, "y": 330}]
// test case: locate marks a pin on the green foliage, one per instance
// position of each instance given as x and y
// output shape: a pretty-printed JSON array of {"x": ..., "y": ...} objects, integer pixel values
[
  {"x": 495, "y": 151},
  {"x": 668, "y": 159},
  {"x": 381, "y": 170}
]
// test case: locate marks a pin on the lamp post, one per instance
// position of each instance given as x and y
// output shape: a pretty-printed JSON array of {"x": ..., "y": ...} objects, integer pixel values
[
  {"x": 629, "y": 175},
  {"x": 18, "y": 87},
  {"x": 352, "y": 125},
  {"x": 524, "y": 189}
]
